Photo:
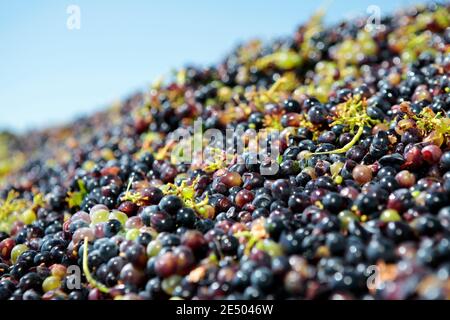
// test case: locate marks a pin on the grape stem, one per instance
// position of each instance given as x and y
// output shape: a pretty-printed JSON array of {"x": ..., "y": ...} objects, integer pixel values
[
  {"x": 344, "y": 148},
  {"x": 86, "y": 271},
  {"x": 274, "y": 88}
]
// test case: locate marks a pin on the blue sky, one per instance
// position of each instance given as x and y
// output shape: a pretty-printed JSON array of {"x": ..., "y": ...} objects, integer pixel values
[{"x": 49, "y": 74}]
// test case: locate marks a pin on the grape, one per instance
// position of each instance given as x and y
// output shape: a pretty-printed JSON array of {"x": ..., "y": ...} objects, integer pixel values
[
  {"x": 112, "y": 227},
  {"x": 362, "y": 174},
  {"x": 431, "y": 154},
  {"x": 162, "y": 221},
  {"x": 414, "y": 157},
  {"x": 99, "y": 216},
  {"x": 118, "y": 215},
  {"x": 152, "y": 194},
  {"x": 333, "y": 202},
  {"x": 6, "y": 247},
  {"x": 243, "y": 197},
  {"x": 96, "y": 208},
  {"x": 293, "y": 283},
  {"x": 128, "y": 207},
  {"x": 136, "y": 255},
  {"x": 134, "y": 223},
  {"x": 359, "y": 177},
  {"x": 390, "y": 215},
  {"x": 345, "y": 217},
  {"x": 51, "y": 283},
  {"x": 81, "y": 215},
  {"x": 166, "y": 265},
  {"x": 28, "y": 217},
  {"x": 291, "y": 105},
  {"x": 108, "y": 250},
  {"x": 144, "y": 239},
  {"x": 131, "y": 275},
  {"x": 153, "y": 248},
  {"x": 231, "y": 179},
  {"x": 82, "y": 233},
  {"x": 317, "y": 114},
  {"x": 170, "y": 204},
  {"x": 185, "y": 259},
  {"x": 262, "y": 278},
  {"x": 169, "y": 284},
  {"x": 445, "y": 161},
  {"x": 281, "y": 189},
  {"x": 17, "y": 251},
  {"x": 186, "y": 217},
  {"x": 405, "y": 179}
]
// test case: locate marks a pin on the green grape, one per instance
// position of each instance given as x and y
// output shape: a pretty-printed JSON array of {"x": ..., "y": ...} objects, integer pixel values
[
  {"x": 390, "y": 215},
  {"x": 99, "y": 216},
  {"x": 28, "y": 216},
  {"x": 345, "y": 217},
  {"x": 169, "y": 284},
  {"x": 118, "y": 215},
  {"x": 51, "y": 283},
  {"x": 17, "y": 251},
  {"x": 132, "y": 234},
  {"x": 153, "y": 248},
  {"x": 271, "y": 247}
]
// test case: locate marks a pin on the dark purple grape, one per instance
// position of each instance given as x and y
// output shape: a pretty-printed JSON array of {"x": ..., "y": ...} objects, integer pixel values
[
  {"x": 162, "y": 222},
  {"x": 170, "y": 204}
]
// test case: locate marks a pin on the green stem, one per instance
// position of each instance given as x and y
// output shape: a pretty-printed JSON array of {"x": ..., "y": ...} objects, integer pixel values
[
  {"x": 344, "y": 148},
  {"x": 251, "y": 242},
  {"x": 269, "y": 94},
  {"x": 86, "y": 271}
]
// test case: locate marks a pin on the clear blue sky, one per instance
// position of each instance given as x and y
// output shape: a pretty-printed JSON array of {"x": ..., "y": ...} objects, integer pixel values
[{"x": 49, "y": 74}]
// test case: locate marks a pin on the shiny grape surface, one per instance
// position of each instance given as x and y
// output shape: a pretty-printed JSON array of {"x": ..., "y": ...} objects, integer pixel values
[{"x": 361, "y": 190}]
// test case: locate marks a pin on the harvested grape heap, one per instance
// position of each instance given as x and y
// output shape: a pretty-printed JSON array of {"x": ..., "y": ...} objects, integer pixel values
[{"x": 359, "y": 207}]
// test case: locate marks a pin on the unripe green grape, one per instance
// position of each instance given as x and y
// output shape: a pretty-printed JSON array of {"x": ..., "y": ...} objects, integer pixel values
[
  {"x": 17, "y": 251},
  {"x": 99, "y": 216},
  {"x": 132, "y": 234},
  {"x": 118, "y": 215},
  {"x": 390, "y": 215},
  {"x": 153, "y": 248},
  {"x": 169, "y": 284},
  {"x": 51, "y": 283},
  {"x": 28, "y": 216}
]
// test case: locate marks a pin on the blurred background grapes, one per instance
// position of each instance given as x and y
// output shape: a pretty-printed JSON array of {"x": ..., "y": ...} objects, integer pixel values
[{"x": 50, "y": 74}]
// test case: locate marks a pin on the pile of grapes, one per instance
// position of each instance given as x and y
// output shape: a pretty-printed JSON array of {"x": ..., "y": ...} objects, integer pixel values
[{"x": 357, "y": 208}]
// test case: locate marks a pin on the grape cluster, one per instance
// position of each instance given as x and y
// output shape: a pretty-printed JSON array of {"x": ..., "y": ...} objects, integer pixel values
[{"x": 359, "y": 207}]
